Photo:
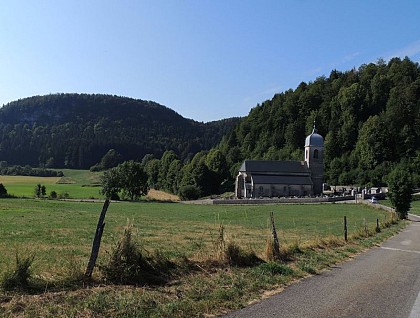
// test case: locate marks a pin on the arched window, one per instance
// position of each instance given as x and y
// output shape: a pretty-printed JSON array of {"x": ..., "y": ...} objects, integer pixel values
[{"x": 316, "y": 153}]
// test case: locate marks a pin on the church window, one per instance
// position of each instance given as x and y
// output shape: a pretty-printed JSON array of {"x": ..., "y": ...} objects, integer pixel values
[{"x": 316, "y": 153}]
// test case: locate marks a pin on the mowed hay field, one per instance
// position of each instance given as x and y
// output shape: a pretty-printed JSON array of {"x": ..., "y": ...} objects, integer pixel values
[{"x": 60, "y": 233}]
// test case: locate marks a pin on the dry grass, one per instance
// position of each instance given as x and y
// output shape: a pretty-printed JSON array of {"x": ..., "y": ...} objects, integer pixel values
[
  {"x": 161, "y": 196},
  {"x": 27, "y": 179}
]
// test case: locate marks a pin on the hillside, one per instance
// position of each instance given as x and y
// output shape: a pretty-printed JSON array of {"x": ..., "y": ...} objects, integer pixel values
[
  {"x": 76, "y": 130},
  {"x": 369, "y": 117}
]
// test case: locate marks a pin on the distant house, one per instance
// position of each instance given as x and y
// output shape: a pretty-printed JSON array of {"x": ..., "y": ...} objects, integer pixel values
[{"x": 269, "y": 178}]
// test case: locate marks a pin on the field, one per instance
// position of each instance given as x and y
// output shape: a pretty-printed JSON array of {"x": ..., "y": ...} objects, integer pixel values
[
  {"x": 57, "y": 231},
  {"x": 76, "y": 184},
  {"x": 59, "y": 234}
]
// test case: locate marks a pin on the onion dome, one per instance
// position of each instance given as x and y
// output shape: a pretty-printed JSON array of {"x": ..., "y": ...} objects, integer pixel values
[{"x": 314, "y": 139}]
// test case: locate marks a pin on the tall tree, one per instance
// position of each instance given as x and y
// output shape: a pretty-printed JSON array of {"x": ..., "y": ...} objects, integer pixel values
[{"x": 400, "y": 189}]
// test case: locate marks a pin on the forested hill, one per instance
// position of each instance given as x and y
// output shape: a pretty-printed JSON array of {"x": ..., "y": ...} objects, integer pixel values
[
  {"x": 76, "y": 130},
  {"x": 369, "y": 117}
]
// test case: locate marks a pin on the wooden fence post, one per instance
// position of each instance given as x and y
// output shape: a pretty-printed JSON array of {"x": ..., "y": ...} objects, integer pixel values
[
  {"x": 345, "y": 228},
  {"x": 97, "y": 240},
  {"x": 378, "y": 228},
  {"x": 275, "y": 238}
]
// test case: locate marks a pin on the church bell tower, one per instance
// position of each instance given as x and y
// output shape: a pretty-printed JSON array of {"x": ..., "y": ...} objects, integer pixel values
[{"x": 314, "y": 158}]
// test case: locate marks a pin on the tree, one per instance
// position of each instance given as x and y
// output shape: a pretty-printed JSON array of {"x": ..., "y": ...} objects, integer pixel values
[
  {"x": 127, "y": 178},
  {"x": 40, "y": 190},
  {"x": 152, "y": 170},
  {"x": 400, "y": 188},
  {"x": 165, "y": 162},
  {"x": 111, "y": 159},
  {"x": 111, "y": 184},
  {"x": 133, "y": 179}
]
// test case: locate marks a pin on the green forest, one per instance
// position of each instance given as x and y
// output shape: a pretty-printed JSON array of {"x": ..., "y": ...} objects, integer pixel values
[
  {"x": 369, "y": 117},
  {"x": 77, "y": 130}
]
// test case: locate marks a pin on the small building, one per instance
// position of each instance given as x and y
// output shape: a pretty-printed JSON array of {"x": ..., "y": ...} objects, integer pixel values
[{"x": 272, "y": 178}]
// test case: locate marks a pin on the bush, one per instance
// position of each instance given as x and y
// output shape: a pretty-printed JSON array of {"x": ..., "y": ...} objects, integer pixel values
[
  {"x": 20, "y": 277},
  {"x": 189, "y": 192},
  {"x": 235, "y": 256},
  {"x": 53, "y": 195},
  {"x": 130, "y": 264}
]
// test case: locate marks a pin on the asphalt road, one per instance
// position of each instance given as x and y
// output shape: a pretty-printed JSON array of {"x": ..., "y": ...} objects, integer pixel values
[{"x": 383, "y": 282}]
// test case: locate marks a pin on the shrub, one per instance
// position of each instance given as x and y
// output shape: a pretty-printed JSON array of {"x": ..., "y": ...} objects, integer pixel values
[
  {"x": 235, "y": 256},
  {"x": 64, "y": 195},
  {"x": 131, "y": 264},
  {"x": 53, "y": 195},
  {"x": 189, "y": 192},
  {"x": 20, "y": 277}
]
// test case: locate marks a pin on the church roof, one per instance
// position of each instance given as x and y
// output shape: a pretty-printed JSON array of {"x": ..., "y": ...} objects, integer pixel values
[
  {"x": 274, "y": 167},
  {"x": 289, "y": 180},
  {"x": 314, "y": 139}
]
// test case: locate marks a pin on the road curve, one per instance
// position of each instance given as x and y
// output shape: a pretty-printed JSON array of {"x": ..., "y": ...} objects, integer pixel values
[{"x": 383, "y": 282}]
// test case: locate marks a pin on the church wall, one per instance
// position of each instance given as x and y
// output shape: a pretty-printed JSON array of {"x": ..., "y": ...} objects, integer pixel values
[{"x": 281, "y": 190}]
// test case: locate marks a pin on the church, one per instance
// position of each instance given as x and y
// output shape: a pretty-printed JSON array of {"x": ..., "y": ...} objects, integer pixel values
[{"x": 269, "y": 178}]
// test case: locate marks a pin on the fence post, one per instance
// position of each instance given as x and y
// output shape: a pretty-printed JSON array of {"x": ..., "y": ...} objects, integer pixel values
[
  {"x": 97, "y": 240},
  {"x": 275, "y": 238},
  {"x": 378, "y": 228},
  {"x": 345, "y": 228}
]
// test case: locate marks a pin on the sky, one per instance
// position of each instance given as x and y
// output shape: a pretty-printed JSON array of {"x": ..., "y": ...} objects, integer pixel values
[{"x": 205, "y": 59}]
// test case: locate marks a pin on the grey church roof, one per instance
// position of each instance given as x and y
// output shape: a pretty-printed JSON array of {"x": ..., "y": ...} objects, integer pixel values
[
  {"x": 274, "y": 167},
  {"x": 286, "y": 180},
  {"x": 314, "y": 139}
]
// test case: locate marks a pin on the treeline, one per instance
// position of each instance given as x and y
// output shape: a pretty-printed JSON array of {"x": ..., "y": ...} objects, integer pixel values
[
  {"x": 76, "y": 130},
  {"x": 205, "y": 174},
  {"x": 27, "y": 170},
  {"x": 369, "y": 117}
]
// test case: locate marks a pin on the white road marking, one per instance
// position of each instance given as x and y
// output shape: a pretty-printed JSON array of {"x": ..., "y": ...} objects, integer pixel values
[
  {"x": 406, "y": 242},
  {"x": 398, "y": 249}
]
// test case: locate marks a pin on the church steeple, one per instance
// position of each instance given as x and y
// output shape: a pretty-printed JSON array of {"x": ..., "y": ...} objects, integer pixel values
[{"x": 314, "y": 158}]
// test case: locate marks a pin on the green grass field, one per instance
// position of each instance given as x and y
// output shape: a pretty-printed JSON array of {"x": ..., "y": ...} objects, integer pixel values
[
  {"x": 78, "y": 184},
  {"x": 59, "y": 235},
  {"x": 59, "y": 232}
]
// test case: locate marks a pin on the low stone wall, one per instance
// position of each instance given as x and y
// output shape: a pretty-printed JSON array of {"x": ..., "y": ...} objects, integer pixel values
[{"x": 283, "y": 200}]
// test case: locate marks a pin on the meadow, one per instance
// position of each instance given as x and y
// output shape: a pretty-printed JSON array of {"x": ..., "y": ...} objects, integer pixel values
[
  {"x": 77, "y": 184},
  {"x": 59, "y": 233}
]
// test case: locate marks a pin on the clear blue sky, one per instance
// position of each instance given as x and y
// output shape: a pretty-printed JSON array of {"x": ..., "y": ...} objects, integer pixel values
[{"x": 206, "y": 59}]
